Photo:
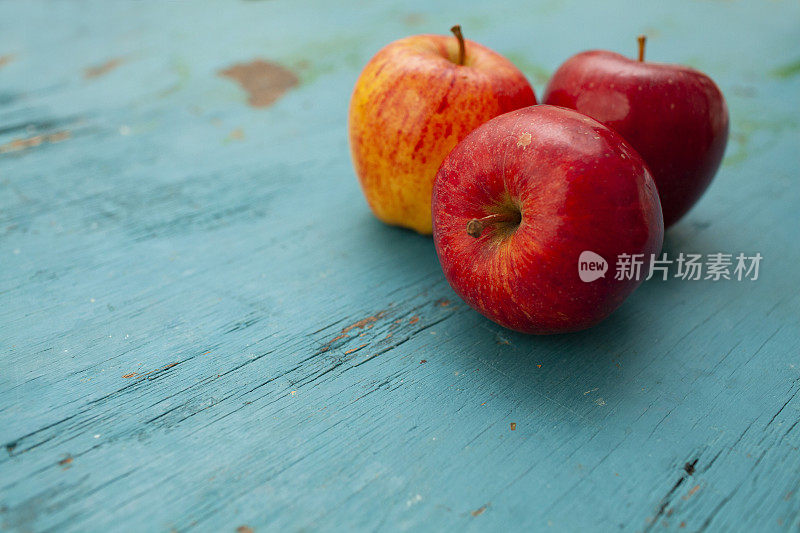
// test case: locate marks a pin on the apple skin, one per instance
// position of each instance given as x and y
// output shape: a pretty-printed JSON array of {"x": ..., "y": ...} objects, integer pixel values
[
  {"x": 577, "y": 185},
  {"x": 674, "y": 116},
  {"x": 411, "y": 105}
]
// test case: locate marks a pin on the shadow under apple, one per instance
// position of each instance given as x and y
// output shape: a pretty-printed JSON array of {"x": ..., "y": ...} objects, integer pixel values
[{"x": 595, "y": 373}]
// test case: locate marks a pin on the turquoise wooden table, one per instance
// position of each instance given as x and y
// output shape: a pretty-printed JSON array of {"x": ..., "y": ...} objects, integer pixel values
[{"x": 203, "y": 328}]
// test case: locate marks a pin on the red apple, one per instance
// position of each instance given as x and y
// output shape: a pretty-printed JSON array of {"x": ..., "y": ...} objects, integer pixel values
[
  {"x": 674, "y": 116},
  {"x": 411, "y": 105},
  {"x": 518, "y": 201}
]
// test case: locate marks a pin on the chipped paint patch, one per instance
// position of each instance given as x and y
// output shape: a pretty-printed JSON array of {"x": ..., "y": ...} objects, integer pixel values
[
  {"x": 413, "y": 19},
  {"x": 364, "y": 322},
  {"x": 264, "y": 81},
  {"x": 236, "y": 135},
  {"x": 691, "y": 492},
  {"x": 31, "y": 142},
  {"x": 6, "y": 59},
  {"x": 348, "y": 352},
  {"x": 480, "y": 510},
  {"x": 141, "y": 376},
  {"x": 102, "y": 69}
]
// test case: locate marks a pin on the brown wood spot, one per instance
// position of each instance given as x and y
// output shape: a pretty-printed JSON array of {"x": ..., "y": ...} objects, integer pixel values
[
  {"x": 443, "y": 303},
  {"x": 513, "y": 426},
  {"x": 66, "y": 461},
  {"x": 244, "y": 529},
  {"x": 364, "y": 322},
  {"x": 264, "y": 81},
  {"x": 6, "y": 59},
  {"x": 480, "y": 510},
  {"x": 691, "y": 491},
  {"x": 102, "y": 69},
  {"x": 141, "y": 376},
  {"x": 328, "y": 344},
  {"x": 348, "y": 352},
  {"x": 414, "y": 19},
  {"x": 423, "y": 361},
  {"x": 236, "y": 135},
  {"x": 30, "y": 142}
]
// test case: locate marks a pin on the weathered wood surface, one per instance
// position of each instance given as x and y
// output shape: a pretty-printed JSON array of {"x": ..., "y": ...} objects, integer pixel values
[{"x": 202, "y": 327}]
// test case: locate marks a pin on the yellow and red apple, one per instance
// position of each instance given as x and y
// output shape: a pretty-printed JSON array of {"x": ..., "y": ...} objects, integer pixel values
[{"x": 413, "y": 102}]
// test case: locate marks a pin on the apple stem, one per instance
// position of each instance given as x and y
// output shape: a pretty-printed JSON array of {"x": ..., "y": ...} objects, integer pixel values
[
  {"x": 462, "y": 50},
  {"x": 476, "y": 226},
  {"x": 641, "y": 40}
]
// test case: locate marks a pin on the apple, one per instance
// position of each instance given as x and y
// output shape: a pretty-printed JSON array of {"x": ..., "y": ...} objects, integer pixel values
[
  {"x": 674, "y": 116},
  {"x": 519, "y": 202},
  {"x": 411, "y": 105}
]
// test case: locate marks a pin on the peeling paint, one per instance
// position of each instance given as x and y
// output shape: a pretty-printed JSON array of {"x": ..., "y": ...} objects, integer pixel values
[
  {"x": 361, "y": 324},
  {"x": 102, "y": 69},
  {"x": 6, "y": 59},
  {"x": 480, "y": 510},
  {"x": 32, "y": 142},
  {"x": 264, "y": 81},
  {"x": 236, "y": 135},
  {"x": 141, "y": 376}
]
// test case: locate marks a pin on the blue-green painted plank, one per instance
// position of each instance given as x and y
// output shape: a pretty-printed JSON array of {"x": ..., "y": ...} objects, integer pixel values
[{"x": 177, "y": 270}]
